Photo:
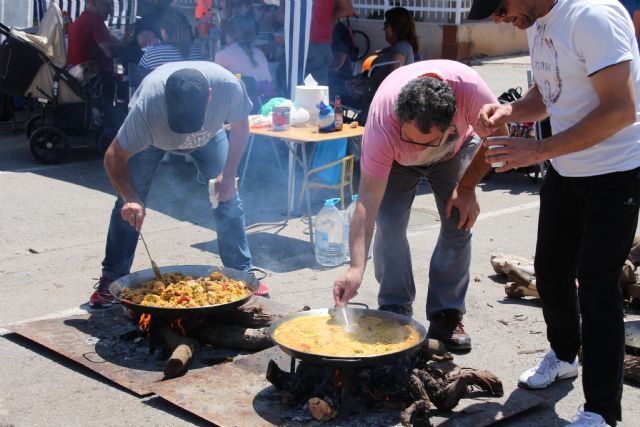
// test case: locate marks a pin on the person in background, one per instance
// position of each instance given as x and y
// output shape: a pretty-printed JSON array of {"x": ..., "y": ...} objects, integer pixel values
[
  {"x": 180, "y": 107},
  {"x": 586, "y": 72},
  {"x": 341, "y": 68},
  {"x": 176, "y": 42},
  {"x": 400, "y": 33},
  {"x": 319, "y": 55},
  {"x": 146, "y": 39},
  {"x": 422, "y": 124},
  {"x": 148, "y": 23},
  {"x": 90, "y": 39},
  {"x": 240, "y": 57}
]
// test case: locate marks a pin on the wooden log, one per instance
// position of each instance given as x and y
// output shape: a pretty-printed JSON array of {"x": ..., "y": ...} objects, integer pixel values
[
  {"x": 500, "y": 261},
  {"x": 516, "y": 290},
  {"x": 182, "y": 348},
  {"x": 416, "y": 415},
  {"x": 321, "y": 410},
  {"x": 235, "y": 337}
]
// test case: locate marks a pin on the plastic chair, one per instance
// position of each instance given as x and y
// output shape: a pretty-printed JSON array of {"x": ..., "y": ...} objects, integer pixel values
[{"x": 346, "y": 179}]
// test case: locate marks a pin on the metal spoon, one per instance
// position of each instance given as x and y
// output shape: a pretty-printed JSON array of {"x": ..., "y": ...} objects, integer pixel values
[{"x": 154, "y": 266}]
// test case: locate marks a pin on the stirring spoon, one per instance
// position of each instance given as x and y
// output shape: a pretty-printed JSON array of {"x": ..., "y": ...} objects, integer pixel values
[{"x": 154, "y": 266}]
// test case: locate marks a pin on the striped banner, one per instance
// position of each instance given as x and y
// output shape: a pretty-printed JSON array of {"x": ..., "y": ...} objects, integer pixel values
[{"x": 297, "y": 18}]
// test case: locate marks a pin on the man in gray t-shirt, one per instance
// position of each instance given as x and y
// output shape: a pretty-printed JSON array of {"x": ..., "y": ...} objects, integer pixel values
[{"x": 180, "y": 107}]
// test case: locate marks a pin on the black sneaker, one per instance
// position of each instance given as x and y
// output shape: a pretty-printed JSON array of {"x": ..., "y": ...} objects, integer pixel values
[
  {"x": 102, "y": 296},
  {"x": 447, "y": 327},
  {"x": 398, "y": 309}
]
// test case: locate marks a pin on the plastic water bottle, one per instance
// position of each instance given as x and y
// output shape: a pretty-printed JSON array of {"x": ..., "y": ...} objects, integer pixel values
[{"x": 329, "y": 235}]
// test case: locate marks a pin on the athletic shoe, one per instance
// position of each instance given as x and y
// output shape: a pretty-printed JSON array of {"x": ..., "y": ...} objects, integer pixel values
[
  {"x": 549, "y": 370},
  {"x": 586, "y": 418},
  {"x": 262, "y": 291},
  {"x": 102, "y": 296}
]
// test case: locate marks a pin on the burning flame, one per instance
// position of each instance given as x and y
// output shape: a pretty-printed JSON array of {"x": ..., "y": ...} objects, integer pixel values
[
  {"x": 145, "y": 322},
  {"x": 337, "y": 378},
  {"x": 177, "y": 324}
]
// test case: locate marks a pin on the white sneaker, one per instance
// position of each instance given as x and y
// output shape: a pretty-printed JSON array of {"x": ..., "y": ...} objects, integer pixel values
[
  {"x": 586, "y": 418},
  {"x": 549, "y": 370}
]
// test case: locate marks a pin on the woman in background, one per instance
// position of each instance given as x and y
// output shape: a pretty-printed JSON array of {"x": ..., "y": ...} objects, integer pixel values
[
  {"x": 240, "y": 57},
  {"x": 400, "y": 33},
  {"x": 176, "y": 42}
]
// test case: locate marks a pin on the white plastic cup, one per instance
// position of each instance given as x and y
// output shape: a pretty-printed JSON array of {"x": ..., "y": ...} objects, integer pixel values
[{"x": 497, "y": 164}]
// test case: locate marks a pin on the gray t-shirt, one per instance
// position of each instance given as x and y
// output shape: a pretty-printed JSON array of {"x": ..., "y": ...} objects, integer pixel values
[
  {"x": 147, "y": 123},
  {"x": 402, "y": 47}
]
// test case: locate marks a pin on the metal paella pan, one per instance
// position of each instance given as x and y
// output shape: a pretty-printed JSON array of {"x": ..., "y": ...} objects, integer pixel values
[
  {"x": 357, "y": 361},
  {"x": 137, "y": 279}
]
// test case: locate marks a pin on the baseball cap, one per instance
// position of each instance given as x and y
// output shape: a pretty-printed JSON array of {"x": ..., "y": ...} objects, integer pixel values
[
  {"x": 481, "y": 9},
  {"x": 186, "y": 94}
]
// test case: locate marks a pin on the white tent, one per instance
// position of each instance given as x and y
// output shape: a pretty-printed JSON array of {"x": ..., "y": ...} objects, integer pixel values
[{"x": 297, "y": 20}]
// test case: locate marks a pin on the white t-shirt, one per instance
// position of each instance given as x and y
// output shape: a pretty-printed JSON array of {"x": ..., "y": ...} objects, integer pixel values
[
  {"x": 574, "y": 40},
  {"x": 147, "y": 123},
  {"x": 236, "y": 60}
]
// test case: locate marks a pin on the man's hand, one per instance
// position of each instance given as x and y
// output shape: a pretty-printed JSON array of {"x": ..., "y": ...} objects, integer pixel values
[
  {"x": 227, "y": 187},
  {"x": 491, "y": 117},
  {"x": 346, "y": 286},
  {"x": 516, "y": 153},
  {"x": 464, "y": 199},
  {"x": 133, "y": 212}
]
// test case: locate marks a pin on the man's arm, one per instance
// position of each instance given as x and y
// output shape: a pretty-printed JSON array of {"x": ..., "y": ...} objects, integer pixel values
[
  {"x": 226, "y": 182},
  {"x": 463, "y": 197},
  {"x": 342, "y": 9},
  {"x": 370, "y": 193},
  {"x": 115, "y": 164}
]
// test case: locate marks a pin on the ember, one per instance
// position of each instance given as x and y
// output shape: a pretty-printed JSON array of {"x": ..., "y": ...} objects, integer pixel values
[{"x": 415, "y": 384}]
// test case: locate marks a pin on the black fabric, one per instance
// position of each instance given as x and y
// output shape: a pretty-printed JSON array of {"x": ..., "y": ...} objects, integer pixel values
[
  {"x": 19, "y": 63},
  {"x": 585, "y": 230},
  {"x": 6, "y": 107}
]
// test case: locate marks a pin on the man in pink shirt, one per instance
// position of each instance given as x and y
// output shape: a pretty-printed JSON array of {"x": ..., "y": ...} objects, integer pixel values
[{"x": 420, "y": 124}]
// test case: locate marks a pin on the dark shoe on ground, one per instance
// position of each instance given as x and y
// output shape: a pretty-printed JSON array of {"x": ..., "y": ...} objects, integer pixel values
[
  {"x": 398, "y": 309},
  {"x": 102, "y": 296},
  {"x": 447, "y": 327},
  {"x": 262, "y": 291}
]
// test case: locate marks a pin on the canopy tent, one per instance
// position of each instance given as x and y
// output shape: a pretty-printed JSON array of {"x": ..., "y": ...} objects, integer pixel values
[{"x": 297, "y": 20}]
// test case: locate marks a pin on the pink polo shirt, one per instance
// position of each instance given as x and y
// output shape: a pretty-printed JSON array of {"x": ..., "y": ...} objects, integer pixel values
[{"x": 381, "y": 144}]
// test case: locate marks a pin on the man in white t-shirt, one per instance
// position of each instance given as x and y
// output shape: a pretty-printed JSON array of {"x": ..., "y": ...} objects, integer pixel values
[{"x": 586, "y": 70}]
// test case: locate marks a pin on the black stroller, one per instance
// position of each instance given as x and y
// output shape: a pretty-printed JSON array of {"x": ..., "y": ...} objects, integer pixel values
[{"x": 32, "y": 65}]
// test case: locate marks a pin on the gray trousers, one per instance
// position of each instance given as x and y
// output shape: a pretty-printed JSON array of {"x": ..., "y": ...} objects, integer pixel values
[{"x": 449, "y": 268}]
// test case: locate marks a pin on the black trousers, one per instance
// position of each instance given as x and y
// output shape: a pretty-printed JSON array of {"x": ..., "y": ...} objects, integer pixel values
[{"x": 585, "y": 231}]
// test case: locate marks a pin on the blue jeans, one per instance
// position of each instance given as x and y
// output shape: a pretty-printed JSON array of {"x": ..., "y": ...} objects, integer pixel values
[
  {"x": 451, "y": 259},
  {"x": 209, "y": 159}
]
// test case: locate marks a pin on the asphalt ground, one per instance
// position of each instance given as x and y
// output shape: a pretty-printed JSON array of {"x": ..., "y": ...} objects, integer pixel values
[{"x": 52, "y": 234}]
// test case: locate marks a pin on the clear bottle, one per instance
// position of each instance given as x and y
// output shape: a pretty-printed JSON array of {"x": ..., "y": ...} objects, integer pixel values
[
  {"x": 338, "y": 113},
  {"x": 329, "y": 235}
]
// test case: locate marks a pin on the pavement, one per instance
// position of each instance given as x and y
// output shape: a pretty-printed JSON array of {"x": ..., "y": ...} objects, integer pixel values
[{"x": 52, "y": 235}]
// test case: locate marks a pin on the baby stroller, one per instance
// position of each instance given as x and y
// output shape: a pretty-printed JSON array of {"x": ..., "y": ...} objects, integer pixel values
[{"x": 32, "y": 65}]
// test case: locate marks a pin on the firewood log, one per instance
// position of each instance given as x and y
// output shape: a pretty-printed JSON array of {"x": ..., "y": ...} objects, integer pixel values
[
  {"x": 416, "y": 415},
  {"x": 516, "y": 290},
  {"x": 182, "y": 348},
  {"x": 500, "y": 261},
  {"x": 321, "y": 410},
  {"x": 235, "y": 337}
]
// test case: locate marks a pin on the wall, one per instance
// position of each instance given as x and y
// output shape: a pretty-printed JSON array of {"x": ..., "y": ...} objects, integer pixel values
[{"x": 470, "y": 39}]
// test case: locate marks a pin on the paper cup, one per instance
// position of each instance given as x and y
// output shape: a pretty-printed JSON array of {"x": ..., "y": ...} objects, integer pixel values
[{"x": 496, "y": 164}]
